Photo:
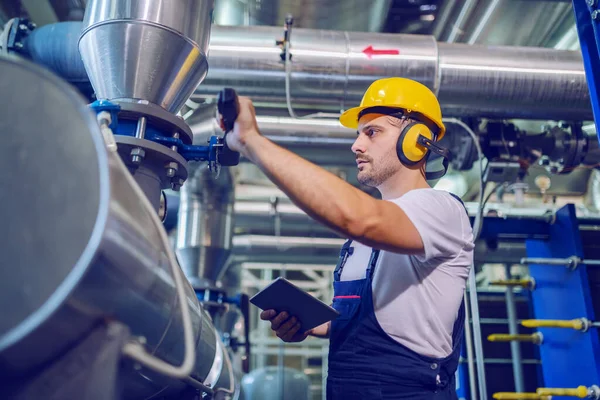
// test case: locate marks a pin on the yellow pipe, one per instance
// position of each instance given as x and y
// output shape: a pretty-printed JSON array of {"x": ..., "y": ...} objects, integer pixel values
[
  {"x": 519, "y": 396},
  {"x": 503, "y": 337},
  {"x": 577, "y": 324},
  {"x": 524, "y": 283},
  {"x": 580, "y": 392}
]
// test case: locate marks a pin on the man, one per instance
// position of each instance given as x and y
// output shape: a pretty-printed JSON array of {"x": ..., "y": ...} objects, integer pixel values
[{"x": 400, "y": 278}]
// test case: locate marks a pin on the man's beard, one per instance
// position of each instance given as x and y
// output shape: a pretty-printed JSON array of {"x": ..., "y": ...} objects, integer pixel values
[{"x": 374, "y": 177}]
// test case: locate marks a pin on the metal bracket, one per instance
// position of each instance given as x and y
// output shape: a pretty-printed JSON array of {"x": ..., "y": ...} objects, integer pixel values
[
  {"x": 594, "y": 392},
  {"x": 571, "y": 262}
]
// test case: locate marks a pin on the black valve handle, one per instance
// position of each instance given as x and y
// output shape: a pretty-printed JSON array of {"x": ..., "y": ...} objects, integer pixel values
[{"x": 228, "y": 107}]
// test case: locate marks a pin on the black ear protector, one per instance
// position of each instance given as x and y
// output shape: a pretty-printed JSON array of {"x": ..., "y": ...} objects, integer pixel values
[{"x": 416, "y": 141}]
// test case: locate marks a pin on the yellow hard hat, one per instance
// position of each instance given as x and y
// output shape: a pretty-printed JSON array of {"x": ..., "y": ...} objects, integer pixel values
[{"x": 405, "y": 94}]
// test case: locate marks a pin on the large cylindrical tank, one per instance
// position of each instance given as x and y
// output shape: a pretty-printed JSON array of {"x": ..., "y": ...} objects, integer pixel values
[
  {"x": 78, "y": 247},
  {"x": 265, "y": 384}
]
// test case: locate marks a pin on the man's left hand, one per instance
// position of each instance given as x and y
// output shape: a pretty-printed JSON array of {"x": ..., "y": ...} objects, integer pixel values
[{"x": 245, "y": 128}]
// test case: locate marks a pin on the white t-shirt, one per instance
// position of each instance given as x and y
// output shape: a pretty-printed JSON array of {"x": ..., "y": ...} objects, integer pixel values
[{"x": 417, "y": 297}]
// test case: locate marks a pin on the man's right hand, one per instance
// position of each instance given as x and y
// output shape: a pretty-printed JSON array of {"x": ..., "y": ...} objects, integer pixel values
[{"x": 286, "y": 327}]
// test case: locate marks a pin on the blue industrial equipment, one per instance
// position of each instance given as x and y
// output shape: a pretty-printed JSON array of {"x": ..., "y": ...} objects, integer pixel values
[
  {"x": 216, "y": 152},
  {"x": 569, "y": 358},
  {"x": 214, "y": 299}
]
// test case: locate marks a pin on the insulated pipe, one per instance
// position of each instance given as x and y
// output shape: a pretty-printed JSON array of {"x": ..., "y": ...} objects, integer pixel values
[
  {"x": 55, "y": 46},
  {"x": 331, "y": 70}
]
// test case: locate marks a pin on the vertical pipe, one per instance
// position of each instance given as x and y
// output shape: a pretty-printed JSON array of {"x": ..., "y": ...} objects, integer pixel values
[
  {"x": 477, "y": 335},
  {"x": 464, "y": 14},
  {"x": 483, "y": 21},
  {"x": 469, "y": 343},
  {"x": 515, "y": 347}
]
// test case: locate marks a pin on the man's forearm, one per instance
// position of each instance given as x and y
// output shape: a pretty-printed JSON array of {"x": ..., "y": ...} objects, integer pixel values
[
  {"x": 321, "y": 331},
  {"x": 321, "y": 194}
]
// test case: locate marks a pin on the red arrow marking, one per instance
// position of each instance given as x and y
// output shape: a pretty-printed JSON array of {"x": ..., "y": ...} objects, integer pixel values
[{"x": 370, "y": 52}]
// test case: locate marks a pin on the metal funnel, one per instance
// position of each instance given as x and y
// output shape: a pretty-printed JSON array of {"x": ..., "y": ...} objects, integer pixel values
[
  {"x": 153, "y": 50},
  {"x": 205, "y": 226}
]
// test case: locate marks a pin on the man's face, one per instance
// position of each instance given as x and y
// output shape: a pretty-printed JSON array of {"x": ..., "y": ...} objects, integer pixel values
[{"x": 375, "y": 148}]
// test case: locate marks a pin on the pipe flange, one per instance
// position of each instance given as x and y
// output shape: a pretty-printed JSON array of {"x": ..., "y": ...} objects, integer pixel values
[
  {"x": 168, "y": 165},
  {"x": 157, "y": 116}
]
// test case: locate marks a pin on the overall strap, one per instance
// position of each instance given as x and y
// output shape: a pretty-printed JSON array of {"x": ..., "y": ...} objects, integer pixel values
[
  {"x": 459, "y": 324},
  {"x": 460, "y": 201},
  {"x": 372, "y": 263},
  {"x": 344, "y": 253},
  {"x": 459, "y": 327}
]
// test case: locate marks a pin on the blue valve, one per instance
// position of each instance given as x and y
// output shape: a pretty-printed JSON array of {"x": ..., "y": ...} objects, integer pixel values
[{"x": 216, "y": 153}]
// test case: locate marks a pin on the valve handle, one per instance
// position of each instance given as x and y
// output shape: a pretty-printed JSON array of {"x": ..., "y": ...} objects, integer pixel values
[{"x": 228, "y": 108}]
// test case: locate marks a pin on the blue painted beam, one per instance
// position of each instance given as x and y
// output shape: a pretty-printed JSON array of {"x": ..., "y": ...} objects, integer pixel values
[
  {"x": 569, "y": 358},
  {"x": 588, "y": 31}
]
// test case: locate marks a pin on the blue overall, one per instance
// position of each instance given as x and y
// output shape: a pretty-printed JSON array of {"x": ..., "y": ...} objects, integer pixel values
[{"x": 366, "y": 363}]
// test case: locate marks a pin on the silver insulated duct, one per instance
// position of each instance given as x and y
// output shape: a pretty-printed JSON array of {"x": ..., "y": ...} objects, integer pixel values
[
  {"x": 82, "y": 253},
  {"x": 151, "y": 50},
  {"x": 330, "y": 70}
]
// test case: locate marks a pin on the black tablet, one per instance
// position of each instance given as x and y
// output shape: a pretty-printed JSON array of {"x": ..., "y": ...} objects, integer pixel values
[{"x": 281, "y": 295}]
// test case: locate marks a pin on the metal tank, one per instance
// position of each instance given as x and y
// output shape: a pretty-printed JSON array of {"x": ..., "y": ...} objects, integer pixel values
[{"x": 79, "y": 249}]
